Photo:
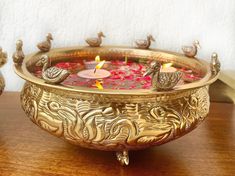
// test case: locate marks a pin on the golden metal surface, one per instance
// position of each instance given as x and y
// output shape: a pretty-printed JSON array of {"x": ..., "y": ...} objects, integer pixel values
[
  {"x": 51, "y": 75},
  {"x": 95, "y": 42},
  {"x": 215, "y": 63},
  {"x": 162, "y": 80},
  {"x": 144, "y": 44},
  {"x": 116, "y": 120},
  {"x": 191, "y": 51},
  {"x": 45, "y": 46},
  {"x": 18, "y": 55},
  {"x": 3, "y": 57}
]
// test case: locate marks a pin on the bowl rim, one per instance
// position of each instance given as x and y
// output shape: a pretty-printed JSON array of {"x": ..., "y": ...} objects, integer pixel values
[{"x": 24, "y": 73}]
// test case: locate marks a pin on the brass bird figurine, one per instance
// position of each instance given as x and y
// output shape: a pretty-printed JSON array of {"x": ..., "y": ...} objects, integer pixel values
[
  {"x": 215, "y": 63},
  {"x": 3, "y": 57},
  {"x": 51, "y": 75},
  {"x": 95, "y": 42},
  {"x": 46, "y": 45},
  {"x": 191, "y": 51},
  {"x": 162, "y": 80},
  {"x": 144, "y": 44},
  {"x": 18, "y": 55}
]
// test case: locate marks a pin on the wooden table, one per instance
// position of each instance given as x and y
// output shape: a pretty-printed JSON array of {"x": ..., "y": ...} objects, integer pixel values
[{"x": 25, "y": 149}]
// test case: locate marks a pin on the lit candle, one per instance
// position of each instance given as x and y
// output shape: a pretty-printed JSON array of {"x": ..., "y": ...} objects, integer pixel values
[
  {"x": 92, "y": 64},
  {"x": 96, "y": 72}
]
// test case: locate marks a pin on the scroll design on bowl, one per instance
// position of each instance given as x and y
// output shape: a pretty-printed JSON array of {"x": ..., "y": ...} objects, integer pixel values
[{"x": 114, "y": 126}]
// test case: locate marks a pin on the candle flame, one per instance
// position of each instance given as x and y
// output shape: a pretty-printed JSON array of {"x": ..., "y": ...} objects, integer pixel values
[
  {"x": 167, "y": 65},
  {"x": 100, "y": 65},
  {"x": 97, "y": 58},
  {"x": 98, "y": 85}
]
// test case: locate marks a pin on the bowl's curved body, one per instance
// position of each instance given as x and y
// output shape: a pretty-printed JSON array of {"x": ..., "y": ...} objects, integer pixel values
[
  {"x": 2, "y": 83},
  {"x": 116, "y": 120}
]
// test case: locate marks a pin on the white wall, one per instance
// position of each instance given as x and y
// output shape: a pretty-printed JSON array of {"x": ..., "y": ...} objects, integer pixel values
[{"x": 172, "y": 22}]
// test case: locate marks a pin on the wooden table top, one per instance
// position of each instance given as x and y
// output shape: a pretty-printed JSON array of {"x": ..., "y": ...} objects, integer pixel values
[{"x": 25, "y": 149}]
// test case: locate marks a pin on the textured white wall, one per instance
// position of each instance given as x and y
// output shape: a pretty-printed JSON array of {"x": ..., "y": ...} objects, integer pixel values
[{"x": 172, "y": 22}]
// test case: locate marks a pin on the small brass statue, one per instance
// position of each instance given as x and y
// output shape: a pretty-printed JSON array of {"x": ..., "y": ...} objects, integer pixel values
[
  {"x": 191, "y": 51},
  {"x": 95, "y": 42},
  {"x": 3, "y": 57},
  {"x": 162, "y": 80},
  {"x": 215, "y": 63},
  {"x": 46, "y": 45},
  {"x": 144, "y": 44},
  {"x": 51, "y": 75},
  {"x": 18, "y": 55}
]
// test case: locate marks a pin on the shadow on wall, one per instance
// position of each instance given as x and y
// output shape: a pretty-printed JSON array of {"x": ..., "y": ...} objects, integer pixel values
[{"x": 221, "y": 92}]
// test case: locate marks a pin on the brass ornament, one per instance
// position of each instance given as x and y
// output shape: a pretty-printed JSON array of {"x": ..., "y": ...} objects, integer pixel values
[
  {"x": 162, "y": 80},
  {"x": 45, "y": 46},
  {"x": 191, "y": 51},
  {"x": 95, "y": 42},
  {"x": 115, "y": 120},
  {"x": 215, "y": 64},
  {"x": 3, "y": 57},
  {"x": 144, "y": 44},
  {"x": 51, "y": 75},
  {"x": 18, "y": 55}
]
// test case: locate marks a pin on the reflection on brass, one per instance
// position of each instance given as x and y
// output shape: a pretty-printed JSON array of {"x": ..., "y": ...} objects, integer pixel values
[
  {"x": 215, "y": 63},
  {"x": 18, "y": 56},
  {"x": 115, "y": 120},
  {"x": 95, "y": 42},
  {"x": 144, "y": 44},
  {"x": 46, "y": 45},
  {"x": 191, "y": 51},
  {"x": 162, "y": 80},
  {"x": 51, "y": 75},
  {"x": 123, "y": 157},
  {"x": 3, "y": 57}
]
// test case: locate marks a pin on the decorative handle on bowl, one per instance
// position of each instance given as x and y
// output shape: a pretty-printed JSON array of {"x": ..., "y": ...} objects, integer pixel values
[
  {"x": 144, "y": 44},
  {"x": 95, "y": 42},
  {"x": 215, "y": 64},
  {"x": 3, "y": 57}
]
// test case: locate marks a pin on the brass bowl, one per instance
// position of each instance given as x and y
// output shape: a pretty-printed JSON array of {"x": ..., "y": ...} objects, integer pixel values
[{"x": 116, "y": 120}]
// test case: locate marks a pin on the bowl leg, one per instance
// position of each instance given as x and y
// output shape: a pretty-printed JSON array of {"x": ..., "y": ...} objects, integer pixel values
[{"x": 123, "y": 157}]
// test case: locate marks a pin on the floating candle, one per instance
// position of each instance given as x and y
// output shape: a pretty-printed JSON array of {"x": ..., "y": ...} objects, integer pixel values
[
  {"x": 89, "y": 74},
  {"x": 96, "y": 73}
]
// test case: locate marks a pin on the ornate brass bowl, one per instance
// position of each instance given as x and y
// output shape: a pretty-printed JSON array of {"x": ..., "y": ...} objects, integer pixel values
[{"x": 116, "y": 120}]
